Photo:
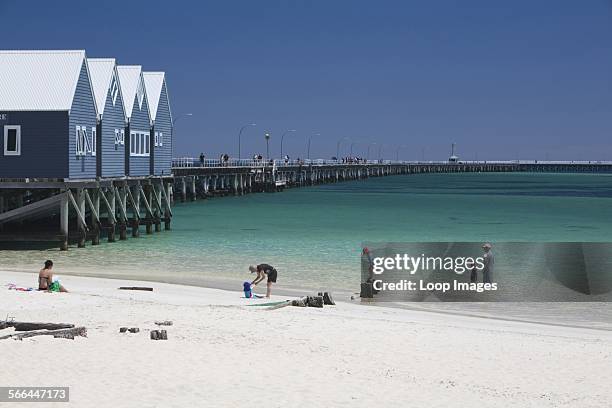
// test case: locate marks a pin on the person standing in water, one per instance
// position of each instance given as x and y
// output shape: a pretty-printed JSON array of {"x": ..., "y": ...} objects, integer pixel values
[
  {"x": 489, "y": 261},
  {"x": 264, "y": 270}
]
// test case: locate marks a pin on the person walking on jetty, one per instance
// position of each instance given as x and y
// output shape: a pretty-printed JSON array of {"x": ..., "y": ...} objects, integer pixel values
[
  {"x": 489, "y": 261},
  {"x": 264, "y": 270}
]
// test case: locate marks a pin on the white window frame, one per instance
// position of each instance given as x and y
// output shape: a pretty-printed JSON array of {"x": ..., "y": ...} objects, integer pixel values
[
  {"x": 94, "y": 141},
  {"x": 81, "y": 141},
  {"x": 17, "y": 129},
  {"x": 86, "y": 140},
  {"x": 156, "y": 139},
  {"x": 123, "y": 137},
  {"x": 140, "y": 144},
  {"x": 161, "y": 139}
]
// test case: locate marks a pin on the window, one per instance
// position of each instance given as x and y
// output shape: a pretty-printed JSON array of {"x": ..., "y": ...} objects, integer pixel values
[
  {"x": 12, "y": 140},
  {"x": 94, "y": 137},
  {"x": 114, "y": 89},
  {"x": 140, "y": 144},
  {"x": 123, "y": 136},
  {"x": 81, "y": 141},
  {"x": 159, "y": 139}
]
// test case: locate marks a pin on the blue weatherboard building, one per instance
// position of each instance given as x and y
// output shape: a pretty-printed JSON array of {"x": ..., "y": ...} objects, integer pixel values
[
  {"x": 110, "y": 149},
  {"x": 161, "y": 122},
  {"x": 47, "y": 115},
  {"x": 138, "y": 128}
]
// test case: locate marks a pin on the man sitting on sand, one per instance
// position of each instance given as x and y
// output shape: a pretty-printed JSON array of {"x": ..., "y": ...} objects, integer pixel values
[
  {"x": 263, "y": 270},
  {"x": 45, "y": 279}
]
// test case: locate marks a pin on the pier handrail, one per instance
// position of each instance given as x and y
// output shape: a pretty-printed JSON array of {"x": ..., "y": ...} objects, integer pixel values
[{"x": 189, "y": 162}]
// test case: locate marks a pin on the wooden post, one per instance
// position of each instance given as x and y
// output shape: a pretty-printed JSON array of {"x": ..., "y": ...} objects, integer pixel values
[
  {"x": 135, "y": 202},
  {"x": 158, "y": 197},
  {"x": 64, "y": 223},
  {"x": 95, "y": 214},
  {"x": 193, "y": 188},
  {"x": 147, "y": 198},
  {"x": 149, "y": 225},
  {"x": 123, "y": 211},
  {"x": 168, "y": 214},
  {"x": 183, "y": 190},
  {"x": 82, "y": 227},
  {"x": 111, "y": 215},
  {"x": 1, "y": 210}
]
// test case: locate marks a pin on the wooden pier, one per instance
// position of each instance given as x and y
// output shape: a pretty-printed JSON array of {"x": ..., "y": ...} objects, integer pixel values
[
  {"x": 194, "y": 179},
  {"x": 78, "y": 211}
]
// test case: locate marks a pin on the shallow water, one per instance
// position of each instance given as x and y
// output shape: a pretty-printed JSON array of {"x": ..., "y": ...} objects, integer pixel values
[{"x": 313, "y": 235}]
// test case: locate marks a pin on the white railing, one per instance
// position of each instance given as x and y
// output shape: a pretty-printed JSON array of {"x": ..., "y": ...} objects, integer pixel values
[{"x": 188, "y": 162}]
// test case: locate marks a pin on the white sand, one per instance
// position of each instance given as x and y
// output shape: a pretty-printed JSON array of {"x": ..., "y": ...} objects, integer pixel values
[{"x": 221, "y": 353}]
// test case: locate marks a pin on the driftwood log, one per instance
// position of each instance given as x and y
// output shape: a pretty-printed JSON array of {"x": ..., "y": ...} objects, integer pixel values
[
  {"x": 27, "y": 326},
  {"x": 136, "y": 288},
  {"x": 70, "y": 333}
]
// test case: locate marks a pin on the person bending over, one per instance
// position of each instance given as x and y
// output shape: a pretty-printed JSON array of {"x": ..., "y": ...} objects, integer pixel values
[
  {"x": 45, "y": 279},
  {"x": 264, "y": 270}
]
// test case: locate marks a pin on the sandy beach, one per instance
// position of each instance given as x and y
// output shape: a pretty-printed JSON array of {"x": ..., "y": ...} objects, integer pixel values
[{"x": 221, "y": 352}]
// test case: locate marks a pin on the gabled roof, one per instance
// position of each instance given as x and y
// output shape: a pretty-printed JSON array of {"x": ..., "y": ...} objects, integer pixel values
[
  {"x": 154, "y": 82},
  {"x": 101, "y": 71},
  {"x": 129, "y": 78},
  {"x": 39, "y": 80}
]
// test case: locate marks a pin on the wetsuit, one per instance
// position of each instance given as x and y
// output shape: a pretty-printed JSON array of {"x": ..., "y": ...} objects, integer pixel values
[{"x": 268, "y": 270}]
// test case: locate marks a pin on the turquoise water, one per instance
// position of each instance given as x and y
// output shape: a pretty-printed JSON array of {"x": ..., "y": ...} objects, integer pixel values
[{"x": 313, "y": 235}]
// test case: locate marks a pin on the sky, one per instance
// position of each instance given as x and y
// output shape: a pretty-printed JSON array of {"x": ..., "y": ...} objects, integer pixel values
[{"x": 501, "y": 79}]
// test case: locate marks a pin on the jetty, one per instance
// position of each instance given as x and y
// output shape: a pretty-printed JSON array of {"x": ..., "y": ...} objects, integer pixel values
[
  {"x": 66, "y": 211},
  {"x": 195, "y": 179}
]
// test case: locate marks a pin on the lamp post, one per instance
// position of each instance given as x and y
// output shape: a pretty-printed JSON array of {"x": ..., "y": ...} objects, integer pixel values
[
  {"x": 267, "y": 137},
  {"x": 282, "y": 138},
  {"x": 182, "y": 115},
  {"x": 240, "y": 135},
  {"x": 309, "y": 138},
  {"x": 174, "y": 120},
  {"x": 352, "y": 144},
  {"x": 397, "y": 152},
  {"x": 338, "y": 146},
  {"x": 369, "y": 146}
]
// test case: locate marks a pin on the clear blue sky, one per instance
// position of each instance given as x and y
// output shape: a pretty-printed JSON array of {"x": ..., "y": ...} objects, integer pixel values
[{"x": 503, "y": 79}]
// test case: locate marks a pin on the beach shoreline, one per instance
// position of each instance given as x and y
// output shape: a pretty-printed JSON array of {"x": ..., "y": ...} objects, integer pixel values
[
  {"x": 588, "y": 315},
  {"x": 220, "y": 351}
]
